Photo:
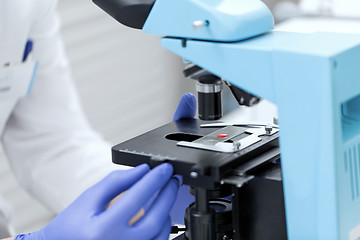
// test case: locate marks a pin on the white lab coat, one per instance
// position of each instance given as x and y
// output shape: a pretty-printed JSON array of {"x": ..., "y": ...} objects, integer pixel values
[{"x": 51, "y": 148}]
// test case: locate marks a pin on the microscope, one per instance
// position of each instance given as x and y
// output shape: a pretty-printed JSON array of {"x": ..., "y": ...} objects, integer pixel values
[{"x": 311, "y": 190}]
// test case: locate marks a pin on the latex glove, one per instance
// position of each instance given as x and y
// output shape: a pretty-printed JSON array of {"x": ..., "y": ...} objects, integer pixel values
[
  {"x": 186, "y": 107},
  {"x": 88, "y": 219}
]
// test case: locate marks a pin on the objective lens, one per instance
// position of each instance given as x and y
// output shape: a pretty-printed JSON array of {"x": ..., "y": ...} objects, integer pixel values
[{"x": 209, "y": 98}]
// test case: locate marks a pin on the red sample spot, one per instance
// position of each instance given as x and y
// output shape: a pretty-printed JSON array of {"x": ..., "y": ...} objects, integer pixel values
[{"x": 223, "y": 135}]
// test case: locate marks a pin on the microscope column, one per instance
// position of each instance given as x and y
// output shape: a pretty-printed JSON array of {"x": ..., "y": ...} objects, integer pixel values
[{"x": 202, "y": 218}]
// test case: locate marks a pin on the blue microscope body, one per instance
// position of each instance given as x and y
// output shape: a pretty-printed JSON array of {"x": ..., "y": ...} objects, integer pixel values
[{"x": 315, "y": 81}]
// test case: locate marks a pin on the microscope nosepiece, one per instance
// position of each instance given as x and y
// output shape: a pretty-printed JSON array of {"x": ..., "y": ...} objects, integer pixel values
[{"x": 209, "y": 98}]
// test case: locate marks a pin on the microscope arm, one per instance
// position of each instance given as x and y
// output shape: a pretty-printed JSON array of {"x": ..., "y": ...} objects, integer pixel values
[{"x": 313, "y": 79}]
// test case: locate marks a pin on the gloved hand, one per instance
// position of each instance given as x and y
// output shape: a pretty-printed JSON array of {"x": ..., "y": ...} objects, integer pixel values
[
  {"x": 186, "y": 107},
  {"x": 88, "y": 217}
]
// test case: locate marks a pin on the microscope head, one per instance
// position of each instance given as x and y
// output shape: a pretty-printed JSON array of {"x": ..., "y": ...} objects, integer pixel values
[{"x": 209, "y": 20}]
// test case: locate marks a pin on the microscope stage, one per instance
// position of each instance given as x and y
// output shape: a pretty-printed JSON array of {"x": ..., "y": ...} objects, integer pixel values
[{"x": 206, "y": 155}]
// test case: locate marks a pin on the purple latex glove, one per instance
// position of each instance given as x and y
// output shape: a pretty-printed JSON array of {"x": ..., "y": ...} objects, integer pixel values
[
  {"x": 88, "y": 217},
  {"x": 186, "y": 107}
]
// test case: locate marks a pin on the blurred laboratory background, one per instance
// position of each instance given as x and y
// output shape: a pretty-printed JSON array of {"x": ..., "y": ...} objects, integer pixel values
[{"x": 127, "y": 83}]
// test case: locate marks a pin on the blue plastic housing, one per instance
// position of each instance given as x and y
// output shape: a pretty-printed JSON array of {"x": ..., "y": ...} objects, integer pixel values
[
  {"x": 228, "y": 20},
  {"x": 315, "y": 81}
]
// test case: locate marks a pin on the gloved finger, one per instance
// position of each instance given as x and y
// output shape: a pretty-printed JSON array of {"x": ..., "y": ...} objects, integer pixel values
[
  {"x": 165, "y": 231},
  {"x": 186, "y": 107},
  {"x": 136, "y": 196},
  {"x": 159, "y": 211},
  {"x": 98, "y": 196}
]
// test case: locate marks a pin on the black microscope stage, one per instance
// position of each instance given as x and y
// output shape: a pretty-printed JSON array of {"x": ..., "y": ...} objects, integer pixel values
[{"x": 199, "y": 167}]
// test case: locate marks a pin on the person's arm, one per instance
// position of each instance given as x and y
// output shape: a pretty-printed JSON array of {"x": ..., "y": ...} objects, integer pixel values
[
  {"x": 50, "y": 146},
  {"x": 11, "y": 238}
]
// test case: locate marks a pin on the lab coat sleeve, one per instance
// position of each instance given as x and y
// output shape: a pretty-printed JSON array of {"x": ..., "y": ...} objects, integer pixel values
[{"x": 51, "y": 148}]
